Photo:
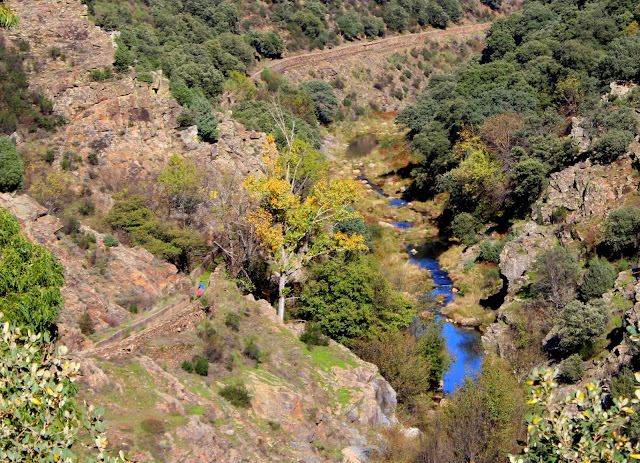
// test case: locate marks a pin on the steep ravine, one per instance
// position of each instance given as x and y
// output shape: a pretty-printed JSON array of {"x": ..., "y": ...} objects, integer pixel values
[{"x": 463, "y": 343}]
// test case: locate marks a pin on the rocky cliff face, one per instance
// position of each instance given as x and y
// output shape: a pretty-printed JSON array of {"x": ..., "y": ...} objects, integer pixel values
[
  {"x": 581, "y": 197},
  {"x": 317, "y": 405},
  {"x": 104, "y": 284},
  {"x": 130, "y": 125}
]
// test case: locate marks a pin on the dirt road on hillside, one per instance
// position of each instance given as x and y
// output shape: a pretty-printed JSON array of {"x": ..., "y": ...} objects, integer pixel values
[{"x": 382, "y": 46}]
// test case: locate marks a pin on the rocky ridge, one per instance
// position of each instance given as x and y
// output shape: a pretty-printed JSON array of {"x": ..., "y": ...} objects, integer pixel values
[
  {"x": 102, "y": 284},
  {"x": 317, "y": 405},
  {"x": 130, "y": 125}
]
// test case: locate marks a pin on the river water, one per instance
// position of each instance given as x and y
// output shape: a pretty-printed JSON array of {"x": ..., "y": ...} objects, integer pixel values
[{"x": 464, "y": 344}]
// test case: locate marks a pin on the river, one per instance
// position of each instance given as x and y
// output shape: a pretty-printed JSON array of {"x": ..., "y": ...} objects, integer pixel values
[{"x": 464, "y": 344}]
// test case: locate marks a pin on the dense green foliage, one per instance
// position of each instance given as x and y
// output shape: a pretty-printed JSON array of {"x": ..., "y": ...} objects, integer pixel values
[
  {"x": 578, "y": 325},
  {"x": 622, "y": 231},
  {"x": 11, "y": 166},
  {"x": 30, "y": 279},
  {"x": 237, "y": 395},
  {"x": 19, "y": 105},
  {"x": 599, "y": 278},
  {"x": 552, "y": 60},
  {"x": 593, "y": 435},
  {"x": 349, "y": 298},
  {"x": 324, "y": 99},
  {"x": 143, "y": 228}
]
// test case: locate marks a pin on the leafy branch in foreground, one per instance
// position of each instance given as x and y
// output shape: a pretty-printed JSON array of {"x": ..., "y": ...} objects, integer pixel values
[
  {"x": 40, "y": 419},
  {"x": 582, "y": 427}
]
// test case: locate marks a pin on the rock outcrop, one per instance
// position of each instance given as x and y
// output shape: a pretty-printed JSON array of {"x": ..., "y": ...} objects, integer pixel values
[
  {"x": 588, "y": 190},
  {"x": 100, "y": 283},
  {"x": 129, "y": 126},
  {"x": 306, "y": 405}
]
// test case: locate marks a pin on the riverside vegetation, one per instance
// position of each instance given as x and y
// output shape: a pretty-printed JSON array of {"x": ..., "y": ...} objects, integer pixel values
[{"x": 476, "y": 154}]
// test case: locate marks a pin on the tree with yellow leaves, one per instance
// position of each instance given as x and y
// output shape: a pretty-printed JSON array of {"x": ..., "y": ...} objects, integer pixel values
[{"x": 294, "y": 228}]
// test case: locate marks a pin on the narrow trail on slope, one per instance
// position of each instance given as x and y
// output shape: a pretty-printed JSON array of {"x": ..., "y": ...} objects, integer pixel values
[{"x": 380, "y": 46}]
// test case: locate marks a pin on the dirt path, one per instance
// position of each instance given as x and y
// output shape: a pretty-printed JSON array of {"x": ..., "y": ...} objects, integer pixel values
[{"x": 379, "y": 47}]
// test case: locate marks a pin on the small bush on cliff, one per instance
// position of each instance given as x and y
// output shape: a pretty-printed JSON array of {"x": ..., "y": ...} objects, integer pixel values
[
  {"x": 622, "y": 231},
  {"x": 187, "y": 366},
  {"x": 313, "y": 336},
  {"x": 237, "y": 395},
  {"x": 201, "y": 366},
  {"x": 599, "y": 278},
  {"x": 578, "y": 326},
  {"x": 85, "y": 323},
  {"x": 490, "y": 251},
  {"x": 11, "y": 166},
  {"x": 253, "y": 351},
  {"x": 232, "y": 321},
  {"x": 571, "y": 369},
  {"x": 110, "y": 241}
]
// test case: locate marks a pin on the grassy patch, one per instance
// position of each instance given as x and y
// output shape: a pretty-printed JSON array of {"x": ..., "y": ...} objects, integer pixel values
[
  {"x": 196, "y": 410},
  {"x": 326, "y": 357},
  {"x": 344, "y": 396}
]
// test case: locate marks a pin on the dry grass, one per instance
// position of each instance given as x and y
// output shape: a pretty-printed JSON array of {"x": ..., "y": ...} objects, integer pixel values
[{"x": 398, "y": 448}]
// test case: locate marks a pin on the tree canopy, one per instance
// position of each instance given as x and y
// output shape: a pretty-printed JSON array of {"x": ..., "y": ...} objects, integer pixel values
[{"x": 30, "y": 279}]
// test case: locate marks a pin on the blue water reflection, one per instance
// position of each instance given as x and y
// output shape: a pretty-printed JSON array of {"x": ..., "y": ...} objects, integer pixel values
[{"x": 463, "y": 344}]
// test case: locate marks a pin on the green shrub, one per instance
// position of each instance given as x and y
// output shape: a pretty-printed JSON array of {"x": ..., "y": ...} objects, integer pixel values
[
  {"x": 85, "y": 323},
  {"x": 232, "y": 320},
  {"x": 578, "y": 326},
  {"x": 187, "y": 366},
  {"x": 559, "y": 214},
  {"x": 350, "y": 298},
  {"x": 324, "y": 99},
  {"x": 145, "y": 78},
  {"x": 253, "y": 351},
  {"x": 622, "y": 231},
  {"x": 11, "y": 166},
  {"x": 110, "y": 241},
  {"x": 237, "y": 395},
  {"x": 97, "y": 75},
  {"x": 623, "y": 264},
  {"x": 83, "y": 240},
  {"x": 70, "y": 225},
  {"x": 490, "y": 251},
  {"x": 92, "y": 158},
  {"x": 122, "y": 58},
  {"x": 201, "y": 366},
  {"x": 599, "y": 278},
  {"x": 571, "y": 369},
  {"x": 464, "y": 227},
  {"x": 87, "y": 207},
  {"x": 313, "y": 335},
  {"x": 49, "y": 156},
  {"x": 31, "y": 279}
]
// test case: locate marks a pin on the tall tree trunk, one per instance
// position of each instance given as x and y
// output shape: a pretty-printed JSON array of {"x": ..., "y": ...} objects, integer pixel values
[{"x": 282, "y": 281}]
